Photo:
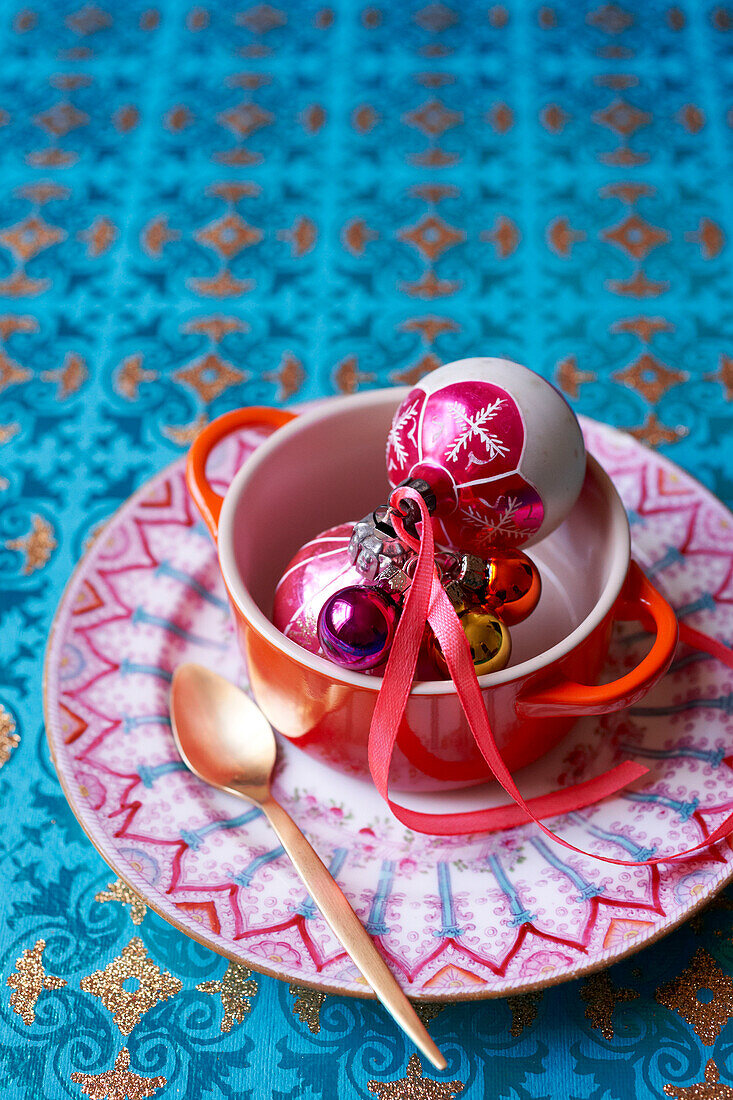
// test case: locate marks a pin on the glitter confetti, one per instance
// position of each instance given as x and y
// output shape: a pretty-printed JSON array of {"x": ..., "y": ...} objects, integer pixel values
[
  {"x": 125, "y": 895},
  {"x": 601, "y": 997},
  {"x": 709, "y": 1089},
  {"x": 118, "y": 1083},
  {"x": 413, "y": 1086},
  {"x": 235, "y": 990},
  {"x": 29, "y": 981},
  {"x": 524, "y": 1011},
  {"x": 307, "y": 1005}
]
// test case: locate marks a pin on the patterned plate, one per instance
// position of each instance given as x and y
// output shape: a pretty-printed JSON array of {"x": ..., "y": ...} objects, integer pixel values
[{"x": 458, "y": 918}]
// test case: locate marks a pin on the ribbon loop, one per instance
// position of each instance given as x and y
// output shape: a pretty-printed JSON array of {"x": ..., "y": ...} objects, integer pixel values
[{"x": 427, "y": 602}]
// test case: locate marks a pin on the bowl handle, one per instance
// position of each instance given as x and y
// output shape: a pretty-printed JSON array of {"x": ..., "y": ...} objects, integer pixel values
[
  {"x": 206, "y": 499},
  {"x": 639, "y": 601}
]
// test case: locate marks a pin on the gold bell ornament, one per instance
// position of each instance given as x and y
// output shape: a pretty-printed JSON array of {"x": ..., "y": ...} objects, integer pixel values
[{"x": 488, "y": 637}]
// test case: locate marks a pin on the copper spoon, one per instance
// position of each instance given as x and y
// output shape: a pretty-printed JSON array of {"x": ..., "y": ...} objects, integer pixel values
[{"x": 225, "y": 739}]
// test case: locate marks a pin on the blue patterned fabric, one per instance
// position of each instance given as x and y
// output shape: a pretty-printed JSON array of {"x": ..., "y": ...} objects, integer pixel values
[{"x": 207, "y": 207}]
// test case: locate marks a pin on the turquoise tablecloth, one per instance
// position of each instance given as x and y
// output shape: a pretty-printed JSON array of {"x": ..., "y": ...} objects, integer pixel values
[{"x": 202, "y": 207}]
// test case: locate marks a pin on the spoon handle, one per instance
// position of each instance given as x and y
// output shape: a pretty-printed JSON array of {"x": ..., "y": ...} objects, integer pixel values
[{"x": 348, "y": 929}]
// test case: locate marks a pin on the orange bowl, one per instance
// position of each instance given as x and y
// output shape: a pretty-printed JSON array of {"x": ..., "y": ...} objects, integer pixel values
[{"x": 327, "y": 465}]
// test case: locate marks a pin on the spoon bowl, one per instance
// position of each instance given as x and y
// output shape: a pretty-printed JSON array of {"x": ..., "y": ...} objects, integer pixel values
[{"x": 221, "y": 734}]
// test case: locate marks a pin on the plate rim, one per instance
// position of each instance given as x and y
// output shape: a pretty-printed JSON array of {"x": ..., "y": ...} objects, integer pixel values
[{"x": 607, "y": 958}]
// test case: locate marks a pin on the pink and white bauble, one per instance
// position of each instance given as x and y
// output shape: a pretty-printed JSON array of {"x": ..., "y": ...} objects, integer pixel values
[
  {"x": 319, "y": 569},
  {"x": 499, "y": 446}
]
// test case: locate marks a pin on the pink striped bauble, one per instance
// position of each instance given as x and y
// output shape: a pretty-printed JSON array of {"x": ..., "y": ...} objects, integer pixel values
[{"x": 318, "y": 570}]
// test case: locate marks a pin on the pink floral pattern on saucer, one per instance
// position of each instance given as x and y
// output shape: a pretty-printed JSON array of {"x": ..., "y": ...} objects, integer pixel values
[{"x": 455, "y": 917}]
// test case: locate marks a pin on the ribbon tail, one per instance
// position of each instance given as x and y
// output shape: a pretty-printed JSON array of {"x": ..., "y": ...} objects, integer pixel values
[
  {"x": 497, "y": 818},
  {"x": 697, "y": 640},
  {"x": 400, "y": 670},
  {"x": 460, "y": 665},
  {"x": 427, "y": 601}
]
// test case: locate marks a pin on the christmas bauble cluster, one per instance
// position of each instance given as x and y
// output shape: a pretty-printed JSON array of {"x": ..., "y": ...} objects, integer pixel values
[{"x": 497, "y": 455}]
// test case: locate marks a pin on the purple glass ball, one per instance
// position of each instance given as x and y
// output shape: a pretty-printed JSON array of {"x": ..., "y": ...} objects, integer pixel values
[{"x": 356, "y": 627}]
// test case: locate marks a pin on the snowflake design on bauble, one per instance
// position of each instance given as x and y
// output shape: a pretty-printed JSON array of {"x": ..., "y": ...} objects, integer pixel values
[
  {"x": 406, "y": 422},
  {"x": 502, "y": 522},
  {"x": 473, "y": 426}
]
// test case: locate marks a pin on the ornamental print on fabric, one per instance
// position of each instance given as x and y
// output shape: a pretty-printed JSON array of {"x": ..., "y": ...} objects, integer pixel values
[{"x": 421, "y": 192}]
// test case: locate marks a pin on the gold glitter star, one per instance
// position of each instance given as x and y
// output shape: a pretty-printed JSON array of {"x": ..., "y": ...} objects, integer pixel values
[
  {"x": 710, "y": 1089},
  {"x": 9, "y": 739},
  {"x": 29, "y": 982},
  {"x": 307, "y": 1005},
  {"x": 602, "y": 997},
  {"x": 235, "y": 989},
  {"x": 37, "y": 545},
  {"x": 413, "y": 1086},
  {"x": 707, "y": 1018},
  {"x": 128, "y": 1006},
  {"x": 118, "y": 1083},
  {"x": 524, "y": 1011},
  {"x": 120, "y": 891}
]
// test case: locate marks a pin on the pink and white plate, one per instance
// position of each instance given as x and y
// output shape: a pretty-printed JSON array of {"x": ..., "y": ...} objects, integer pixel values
[{"x": 456, "y": 918}]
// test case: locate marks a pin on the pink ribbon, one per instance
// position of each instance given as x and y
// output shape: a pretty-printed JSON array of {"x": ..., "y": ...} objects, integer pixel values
[{"x": 427, "y": 602}]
